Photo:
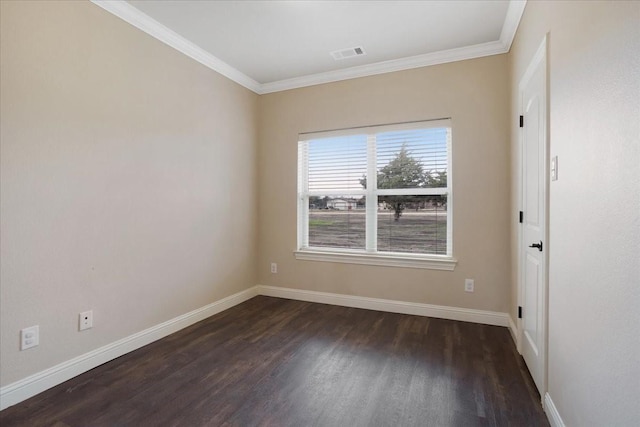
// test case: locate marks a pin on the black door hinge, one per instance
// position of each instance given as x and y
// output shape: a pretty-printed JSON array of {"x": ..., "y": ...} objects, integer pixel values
[
  {"x": 521, "y": 217},
  {"x": 521, "y": 121},
  {"x": 519, "y": 312}
]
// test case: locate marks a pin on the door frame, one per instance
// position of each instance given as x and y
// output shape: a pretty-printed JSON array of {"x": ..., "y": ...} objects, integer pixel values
[{"x": 541, "y": 55}]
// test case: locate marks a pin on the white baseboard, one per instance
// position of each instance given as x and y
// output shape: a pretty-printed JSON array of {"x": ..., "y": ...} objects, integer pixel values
[
  {"x": 43, "y": 380},
  {"x": 419, "y": 309},
  {"x": 552, "y": 412}
]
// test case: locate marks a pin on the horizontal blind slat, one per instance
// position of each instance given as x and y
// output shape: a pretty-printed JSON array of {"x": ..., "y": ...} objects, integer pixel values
[{"x": 337, "y": 164}]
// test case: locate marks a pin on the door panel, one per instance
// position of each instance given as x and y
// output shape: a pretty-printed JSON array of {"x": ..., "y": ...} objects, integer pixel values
[
  {"x": 532, "y": 274},
  {"x": 532, "y": 156},
  {"x": 532, "y": 291}
]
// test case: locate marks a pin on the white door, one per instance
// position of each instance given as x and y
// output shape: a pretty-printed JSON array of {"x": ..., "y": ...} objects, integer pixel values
[{"x": 533, "y": 248}]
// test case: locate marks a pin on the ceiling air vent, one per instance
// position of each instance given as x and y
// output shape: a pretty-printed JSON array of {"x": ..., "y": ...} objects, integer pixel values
[{"x": 347, "y": 53}]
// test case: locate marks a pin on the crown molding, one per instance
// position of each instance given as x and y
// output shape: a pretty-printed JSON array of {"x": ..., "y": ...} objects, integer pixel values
[
  {"x": 435, "y": 58},
  {"x": 144, "y": 22},
  {"x": 140, "y": 20},
  {"x": 511, "y": 22}
]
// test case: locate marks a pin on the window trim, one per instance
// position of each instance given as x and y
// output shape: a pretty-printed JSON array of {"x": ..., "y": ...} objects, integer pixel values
[
  {"x": 384, "y": 259},
  {"x": 368, "y": 256}
]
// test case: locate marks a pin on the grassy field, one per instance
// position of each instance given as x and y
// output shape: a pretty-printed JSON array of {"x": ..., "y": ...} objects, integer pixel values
[{"x": 424, "y": 231}]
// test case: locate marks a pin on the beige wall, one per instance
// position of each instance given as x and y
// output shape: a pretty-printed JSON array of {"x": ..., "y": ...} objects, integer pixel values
[
  {"x": 127, "y": 168},
  {"x": 117, "y": 156},
  {"x": 475, "y": 95},
  {"x": 594, "y": 266}
]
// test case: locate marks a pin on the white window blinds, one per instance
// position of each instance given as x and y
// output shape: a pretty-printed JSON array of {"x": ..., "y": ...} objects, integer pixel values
[
  {"x": 336, "y": 165},
  {"x": 377, "y": 189}
]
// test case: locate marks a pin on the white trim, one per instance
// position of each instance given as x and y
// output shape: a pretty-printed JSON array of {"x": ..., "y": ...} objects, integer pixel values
[
  {"x": 371, "y": 215},
  {"x": 514, "y": 333},
  {"x": 303, "y": 200},
  {"x": 539, "y": 58},
  {"x": 443, "y": 122},
  {"x": 434, "y": 58},
  {"x": 511, "y": 22},
  {"x": 427, "y": 191},
  {"x": 43, "y": 380},
  {"x": 392, "y": 306},
  {"x": 449, "y": 187},
  {"x": 370, "y": 256},
  {"x": 144, "y": 22},
  {"x": 23, "y": 389},
  {"x": 140, "y": 20},
  {"x": 378, "y": 259},
  {"x": 552, "y": 412}
]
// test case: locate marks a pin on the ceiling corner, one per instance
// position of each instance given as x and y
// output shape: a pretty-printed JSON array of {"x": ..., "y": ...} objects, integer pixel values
[
  {"x": 511, "y": 22},
  {"x": 142, "y": 21}
]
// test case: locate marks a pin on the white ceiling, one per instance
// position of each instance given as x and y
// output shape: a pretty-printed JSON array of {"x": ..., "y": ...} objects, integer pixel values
[{"x": 276, "y": 45}]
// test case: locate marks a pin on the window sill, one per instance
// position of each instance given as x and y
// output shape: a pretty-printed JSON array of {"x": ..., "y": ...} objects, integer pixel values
[{"x": 386, "y": 260}]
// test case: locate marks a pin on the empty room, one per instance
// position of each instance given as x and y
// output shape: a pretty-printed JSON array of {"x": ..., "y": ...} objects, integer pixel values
[{"x": 327, "y": 213}]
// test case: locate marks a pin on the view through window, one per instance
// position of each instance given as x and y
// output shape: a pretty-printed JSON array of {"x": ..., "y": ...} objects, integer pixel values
[{"x": 383, "y": 189}]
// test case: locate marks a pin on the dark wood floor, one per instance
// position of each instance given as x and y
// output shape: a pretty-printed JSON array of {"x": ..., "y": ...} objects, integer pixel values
[{"x": 277, "y": 362}]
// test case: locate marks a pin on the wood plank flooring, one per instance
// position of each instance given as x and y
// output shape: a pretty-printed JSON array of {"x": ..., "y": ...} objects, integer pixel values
[{"x": 278, "y": 362}]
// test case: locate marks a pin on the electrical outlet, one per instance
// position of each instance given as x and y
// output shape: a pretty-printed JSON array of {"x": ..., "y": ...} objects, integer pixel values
[
  {"x": 274, "y": 267},
  {"x": 85, "y": 320},
  {"x": 29, "y": 337},
  {"x": 468, "y": 285}
]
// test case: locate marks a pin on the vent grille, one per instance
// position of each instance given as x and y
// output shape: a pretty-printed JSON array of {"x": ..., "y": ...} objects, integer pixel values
[{"x": 347, "y": 53}]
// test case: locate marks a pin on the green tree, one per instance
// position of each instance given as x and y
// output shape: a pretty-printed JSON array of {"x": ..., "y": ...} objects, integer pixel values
[
  {"x": 438, "y": 180},
  {"x": 316, "y": 202},
  {"x": 404, "y": 171}
]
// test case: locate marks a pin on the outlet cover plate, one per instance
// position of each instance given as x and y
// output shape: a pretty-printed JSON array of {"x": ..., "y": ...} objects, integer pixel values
[
  {"x": 468, "y": 285},
  {"x": 29, "y": 337},
  {"x": 85, "y": 320}
]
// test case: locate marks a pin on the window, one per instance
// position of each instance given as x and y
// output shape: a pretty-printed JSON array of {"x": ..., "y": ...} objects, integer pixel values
[{"x": 377, "y": 195}]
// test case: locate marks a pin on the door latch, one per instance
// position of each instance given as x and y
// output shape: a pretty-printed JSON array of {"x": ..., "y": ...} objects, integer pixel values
[{"x": 537, "y": 245}]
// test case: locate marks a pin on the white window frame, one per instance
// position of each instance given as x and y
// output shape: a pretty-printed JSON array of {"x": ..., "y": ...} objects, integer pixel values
[{"x": 370, "y": 255}]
